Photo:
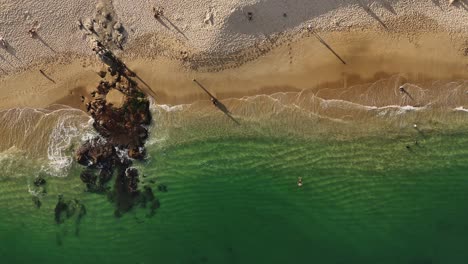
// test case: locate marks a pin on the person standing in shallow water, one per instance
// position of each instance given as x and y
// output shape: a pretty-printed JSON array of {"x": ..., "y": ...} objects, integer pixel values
[{"x": 299, "y": 182}]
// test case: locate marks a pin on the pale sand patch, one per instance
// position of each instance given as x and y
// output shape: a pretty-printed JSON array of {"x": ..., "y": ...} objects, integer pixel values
[{"x": 116, "y": 98}]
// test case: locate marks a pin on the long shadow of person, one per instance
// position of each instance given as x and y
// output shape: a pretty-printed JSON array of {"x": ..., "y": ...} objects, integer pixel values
[
  {"x": 372, "y": 14},
  {"x": 223, "y": 108},
  {"x": 217, "y": 103}
]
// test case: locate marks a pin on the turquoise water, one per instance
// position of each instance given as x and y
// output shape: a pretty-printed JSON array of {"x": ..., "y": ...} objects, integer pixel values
[{"x": 234, "y": 199}]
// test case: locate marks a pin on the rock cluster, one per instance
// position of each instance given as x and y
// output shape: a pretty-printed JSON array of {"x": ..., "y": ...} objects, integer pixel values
[
  {"x": 104, "y": 27},
  {"x": 122, "y": 135},
  {"x": 38, "y": 190}
]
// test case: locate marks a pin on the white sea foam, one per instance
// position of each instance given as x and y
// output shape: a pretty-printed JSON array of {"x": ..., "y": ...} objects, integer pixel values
[
  {"x": 33, "y": 192},
  {"x": 66, "y": 132},
  {"x": 168, "y": 108},
  {"x": 122, "y": 154},
  {"x": 396, "y": 110},
  {"x": 460, "y": 108},
  {"x": 343, "y": 104}
]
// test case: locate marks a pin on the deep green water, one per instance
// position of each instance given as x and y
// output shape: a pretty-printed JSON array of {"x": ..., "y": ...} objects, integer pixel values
[{"x": 234, "y": 199}]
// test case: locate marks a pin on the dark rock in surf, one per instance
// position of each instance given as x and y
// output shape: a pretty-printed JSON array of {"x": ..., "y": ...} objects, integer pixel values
[
  {"x": 136, "y": 153},
  {"x": 89, "y": 178},
  {"x": 132, "y": 179},
  {"x": 39, "y": 181},
  {"x": 95, "y": 152},
  {"x": 162, "y": 188}
]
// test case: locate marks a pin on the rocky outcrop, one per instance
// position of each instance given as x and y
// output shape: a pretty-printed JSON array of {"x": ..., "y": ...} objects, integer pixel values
[{"x": 121, "y": 140}]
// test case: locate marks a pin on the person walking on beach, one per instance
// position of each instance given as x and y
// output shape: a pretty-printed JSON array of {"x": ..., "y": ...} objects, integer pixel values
[
  {"x": 214, "y": 101},
  {"x": 33, "y": 30},
  {"x": 158, "y": 12},
  {"x": 3, "y": 42}
]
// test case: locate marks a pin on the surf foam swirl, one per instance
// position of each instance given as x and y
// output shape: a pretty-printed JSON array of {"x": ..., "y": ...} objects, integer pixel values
[{"x": 41, "y": 138}]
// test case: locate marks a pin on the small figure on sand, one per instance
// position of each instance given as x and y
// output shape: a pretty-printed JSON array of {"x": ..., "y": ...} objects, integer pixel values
[
  {"x": 184, "y": 55},
  {"x": 33, "y": 30},
  {"x": 214, "y": 101},
  {"x": 299, "y": 182},
  {"x": 3, "y": 43},
  {"x": 158, "y": 12},
  {"x": 250, "y": 16},
  {"x": 79, "y": 23},
  {"x": 405, "y": 92}
]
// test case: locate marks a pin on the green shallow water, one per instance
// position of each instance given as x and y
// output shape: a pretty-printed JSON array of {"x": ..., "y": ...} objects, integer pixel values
[{"x": 235, "y": 200}]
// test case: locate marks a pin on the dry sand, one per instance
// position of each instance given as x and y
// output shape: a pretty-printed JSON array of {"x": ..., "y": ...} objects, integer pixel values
[{"x": 214, "y": 42}]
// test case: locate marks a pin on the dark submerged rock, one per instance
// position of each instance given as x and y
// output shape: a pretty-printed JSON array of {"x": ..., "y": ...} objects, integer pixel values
[
  {"x": 60, "y": 208},
  {"x": 37, "y": 202},
  {"x": 69, "y": 209},
  {"x": 148, "y": 193},
  {"x": 39, "y": 181},
  {"x": 154, "y": 206},
  {"x": 89, "y": 178},
  {"x": 162, "y": 188}
]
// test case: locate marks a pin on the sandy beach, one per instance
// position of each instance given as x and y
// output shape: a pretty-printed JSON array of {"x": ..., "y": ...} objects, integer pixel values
[{"x": 284, "y": 47}]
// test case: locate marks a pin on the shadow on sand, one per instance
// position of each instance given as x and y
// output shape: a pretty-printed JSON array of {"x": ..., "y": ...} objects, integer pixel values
[
  {"x": 372, "y": 14},
  {"x": 388, "y": 6},
  {"x": 461, "y": 4},
  {"x": 160, "y": 20},
  {"x": 36, "y": 36},
  {"x": 217, "y": 103},
  {"x": 405, "y": 92},
  {"x": 326, "y": 45},
  {"x": 45, "y": 75},
  {"x": 149, "y": 90}
]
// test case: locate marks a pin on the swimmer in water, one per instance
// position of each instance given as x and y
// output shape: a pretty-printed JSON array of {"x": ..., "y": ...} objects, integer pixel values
[{"x": 299, "y": 181}]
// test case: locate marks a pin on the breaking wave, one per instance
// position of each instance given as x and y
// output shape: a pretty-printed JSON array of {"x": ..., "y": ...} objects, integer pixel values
[
  {"x": 59, "y": 148},
  {"x": 42, "y": 139},
  {"x": 379, "y": 107}
]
